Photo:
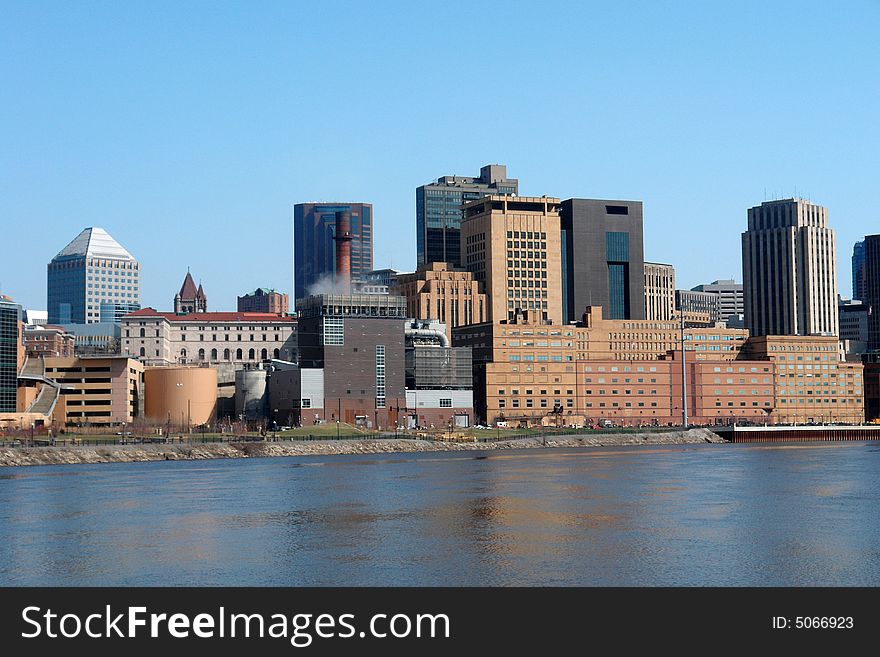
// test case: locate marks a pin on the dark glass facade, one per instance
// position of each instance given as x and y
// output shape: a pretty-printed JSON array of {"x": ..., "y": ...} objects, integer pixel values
[
  {"x": 314, "y": 250},
  {"x": 438, "y": 211},
  {"x": 10, "y": 316},
  {"x": 603, "y": 258}
]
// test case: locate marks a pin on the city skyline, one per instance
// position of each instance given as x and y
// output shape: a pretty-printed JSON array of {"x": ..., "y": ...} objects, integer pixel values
[{"x": 198, "y": 184}]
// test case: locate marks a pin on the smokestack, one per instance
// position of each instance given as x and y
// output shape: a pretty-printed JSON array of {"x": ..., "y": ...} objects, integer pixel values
[{"x": 343, "y": 250}]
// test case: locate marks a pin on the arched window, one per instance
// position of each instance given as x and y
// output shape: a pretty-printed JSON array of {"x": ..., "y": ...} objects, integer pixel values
[
  {"x": 251, "y": 354},
  {"x": 238, "y": 354},
  {"x": 143, "y": 352},
  {"x": 201, "y": 354},
  {"x": 213, "y": 354},
  {"x": 226, "y": 354},
  {"x": 264, "y": 354},
  {"x": 183, "y": 353},
  {"x": 143, "y": 333},
  {"x": 276, "y": 354}
]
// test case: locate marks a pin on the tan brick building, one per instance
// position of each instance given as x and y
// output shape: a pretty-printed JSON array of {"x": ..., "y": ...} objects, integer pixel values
[
  {"x": 629, "y": 371},
  {"x": 659, "y": 291},
  {"x": 812, "y": 384},
  {"x": 439, "y": 291},
  {"x": 512, "y": 246}
]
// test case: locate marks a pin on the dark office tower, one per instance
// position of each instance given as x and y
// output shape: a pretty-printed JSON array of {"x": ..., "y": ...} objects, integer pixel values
[
  {"x": 789, "y": 270},
  {"x": 603, "y": 261},
  {"x": 438, "y": 211},
  {"x": 93, "y": 279},
  {"x": 11, "y": 353},
  {"x": 314, "y": 246},
  {"x": 858, "y": 271},
  {"x": 872, "y": 289}
]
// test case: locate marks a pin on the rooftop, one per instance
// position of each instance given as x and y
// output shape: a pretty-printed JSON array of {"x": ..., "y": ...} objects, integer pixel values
[
  {"x": 206, "y": 318},
  {"x": 95, "y": 242}
]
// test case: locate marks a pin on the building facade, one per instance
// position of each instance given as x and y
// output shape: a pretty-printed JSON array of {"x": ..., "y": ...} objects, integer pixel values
[
  {"x": 527, "y": 372},
  {"x": 854, "y": 316},
  {"x": 190, "y": 299},
  {"x": 698, "y": 308},
  {"x": 439, "y": 211},
  {"x": 603, "y": 258},
  {"x": 92, "y": 391},
  {"x": 47, "y": 341},
  {"x": 314, "y": 251},
  {"x": 659, "y": 291},
  {"x": 93, "y": 279},
  {"x": 858, "y": 271},
  {"x": 872, "y": 289},
  {"x": 357, "y": 341},
  {"x": 215, "y": 338},
  {"x": 811, "y": 383},
  {"x": 11, "y": 354},
  {"x": 730, "y": 296},
  {"x": 511, "y": 245},
  {"x": 789, "y": 270},
  {"x": 439, "y": 291},
  {"x": 263, "y": 300}
]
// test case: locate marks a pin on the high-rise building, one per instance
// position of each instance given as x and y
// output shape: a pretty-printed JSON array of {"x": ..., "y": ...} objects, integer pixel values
[
  {"x": 93, "y": 279},
  {"x": 439, "y": 291},
  {"x": 439, "y": 214},
  {"x": 314, "y": 249},
  {"x": 11, "y": 351},
  {"x": 872, "y": 289},
  {"x": 854, "y": 316},
  {"x": 659, "y": 291},
  {"x": 789, "y": 270},
  {"x": 698, "y": 308},
  {"x": 263, "y": 300},
  {"x": 858, "y": 271},
  {"x": 511, "y": 245},
  {"x": 603, "y": 258},
  {"x": 190, "y": 299},
  {"x": 730, "y": 296}
]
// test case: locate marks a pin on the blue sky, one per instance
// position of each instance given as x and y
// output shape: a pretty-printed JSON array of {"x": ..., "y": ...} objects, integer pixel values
[{"x": 189, "y": 129}]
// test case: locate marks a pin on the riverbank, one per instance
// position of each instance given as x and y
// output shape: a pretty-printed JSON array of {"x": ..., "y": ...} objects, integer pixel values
[{"x": 68, "y": 455}]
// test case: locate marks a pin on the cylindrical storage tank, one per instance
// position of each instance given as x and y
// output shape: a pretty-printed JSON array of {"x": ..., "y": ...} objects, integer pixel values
[
  {"x": 185, "y": 396},
  {"x": 250, "y": 393}
]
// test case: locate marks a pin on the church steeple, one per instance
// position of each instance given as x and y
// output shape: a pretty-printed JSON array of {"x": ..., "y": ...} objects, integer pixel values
[{"x": 190, "y": 299}]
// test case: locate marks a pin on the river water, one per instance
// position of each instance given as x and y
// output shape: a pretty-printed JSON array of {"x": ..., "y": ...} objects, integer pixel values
[{"x": 682, "y": 515}]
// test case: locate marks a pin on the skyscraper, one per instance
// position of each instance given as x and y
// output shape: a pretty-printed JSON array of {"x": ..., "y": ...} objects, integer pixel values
[
  {"x": 93, "y": 279},
  {"x": 314, "y": 250},
  {"x": 872, "y": 289},
  {"x": 789, "y": 270},
  {"x": 603, "y": 261},
  {"x": 659, "y": 291},
  {"x": 439, "y": 215},
  {"x": 11, "y": 352},
  {"x": 511, "y": 245},
  {"x": 858, "y": 271}
]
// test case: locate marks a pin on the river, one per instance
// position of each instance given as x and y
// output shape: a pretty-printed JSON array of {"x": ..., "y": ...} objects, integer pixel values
[{"x": 788, "y": 515}]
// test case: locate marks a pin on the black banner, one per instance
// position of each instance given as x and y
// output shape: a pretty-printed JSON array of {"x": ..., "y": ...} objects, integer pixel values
[{"x": 429, "y": 620}]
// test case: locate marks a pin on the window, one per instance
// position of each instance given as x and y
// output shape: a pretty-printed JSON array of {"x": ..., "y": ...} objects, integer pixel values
[
  {"x": 445, "y": 403},
  {"x": 305, "y": 402},
  {"x": 251, "y": 354},
  {"x": 213, "y": 354},
  {"x": 380, "y": 376}
]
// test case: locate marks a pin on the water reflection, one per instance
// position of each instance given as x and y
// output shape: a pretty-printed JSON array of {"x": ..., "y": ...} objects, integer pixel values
[{"x": 725, "y": 515}]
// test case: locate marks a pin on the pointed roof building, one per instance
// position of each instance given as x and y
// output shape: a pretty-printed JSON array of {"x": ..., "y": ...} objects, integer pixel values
[
  {"x": 93, "y": 279},
  {"x": 95, "y": 242},
  {"x": 190, "y": 299}
]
